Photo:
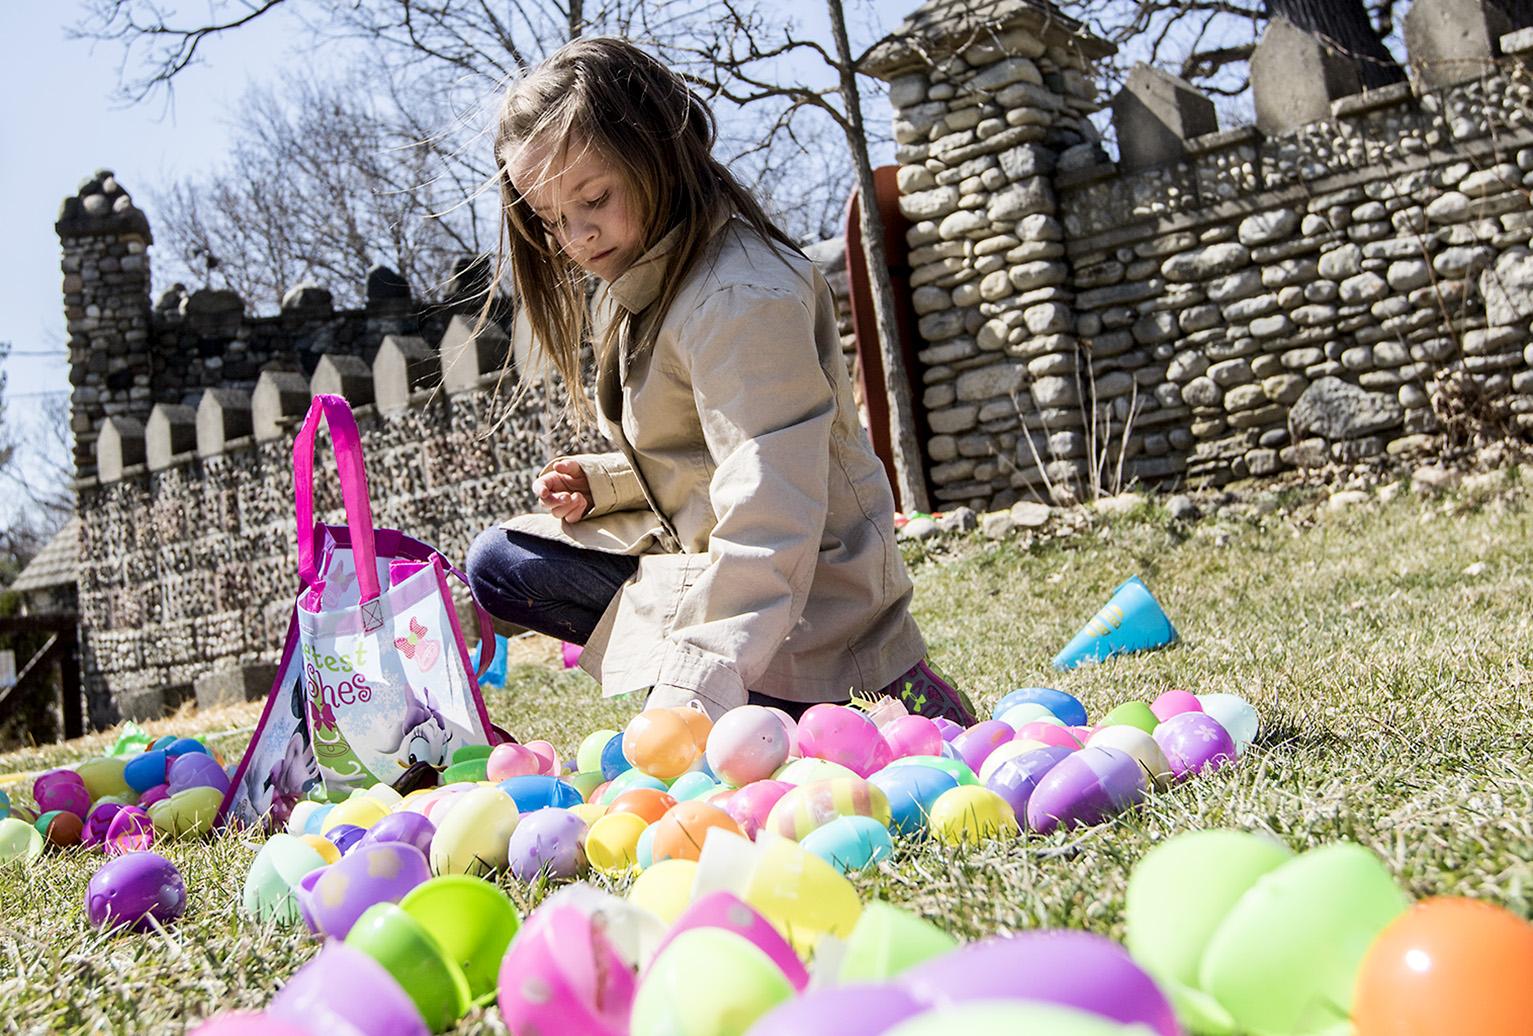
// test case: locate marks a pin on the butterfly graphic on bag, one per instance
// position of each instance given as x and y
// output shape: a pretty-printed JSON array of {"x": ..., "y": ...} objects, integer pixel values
[
  {"x": 424, "y": 652},
  {"x": 339, "y": 589}
]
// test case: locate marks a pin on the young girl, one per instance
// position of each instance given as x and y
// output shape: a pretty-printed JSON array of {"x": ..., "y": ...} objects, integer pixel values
[{"x": 738, "y": 543}]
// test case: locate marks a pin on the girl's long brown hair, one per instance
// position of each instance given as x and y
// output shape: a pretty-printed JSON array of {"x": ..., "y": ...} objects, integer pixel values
[{"x": 605, "y": 93}]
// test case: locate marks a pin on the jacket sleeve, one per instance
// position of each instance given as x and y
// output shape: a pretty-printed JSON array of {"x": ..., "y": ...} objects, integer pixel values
[
  {"x": 767, "y": 407},
  {"x": 614, "y": 485}
]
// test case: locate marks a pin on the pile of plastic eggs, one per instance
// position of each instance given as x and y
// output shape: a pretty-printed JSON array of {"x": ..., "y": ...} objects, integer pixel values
[{"x": 119, "y": 803}]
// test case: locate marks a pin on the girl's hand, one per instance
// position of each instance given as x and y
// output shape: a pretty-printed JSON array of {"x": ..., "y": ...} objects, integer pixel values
[{"x": 564, "y": 490}]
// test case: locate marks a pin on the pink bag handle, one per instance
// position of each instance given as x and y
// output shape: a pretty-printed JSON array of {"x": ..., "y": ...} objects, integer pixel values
[
  {"x": 486, "y": 628},
  {"x": 347, "y": 442}
]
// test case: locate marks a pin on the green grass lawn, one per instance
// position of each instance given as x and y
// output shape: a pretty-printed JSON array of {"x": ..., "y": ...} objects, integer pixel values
[{"x": 1394, "y": 689}]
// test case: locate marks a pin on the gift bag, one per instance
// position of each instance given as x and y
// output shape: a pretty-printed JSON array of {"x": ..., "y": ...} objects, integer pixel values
[{"x": 376, "y": 674}]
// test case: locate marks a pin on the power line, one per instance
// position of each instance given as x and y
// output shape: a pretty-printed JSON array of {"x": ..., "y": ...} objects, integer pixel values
[
  {"x": 38, "y": 394},
  {"x": 36, "y": 352}
]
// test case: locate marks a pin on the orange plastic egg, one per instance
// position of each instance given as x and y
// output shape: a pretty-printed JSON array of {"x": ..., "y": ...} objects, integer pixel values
[
  {"x": 680, "y": 833},
  {"x": 648, "y": 803},
  {"x": 698, "y": 723},
  {"x": 661, "y": 743}
]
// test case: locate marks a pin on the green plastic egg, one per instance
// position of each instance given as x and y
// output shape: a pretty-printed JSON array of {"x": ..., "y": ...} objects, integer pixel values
[
  {"x": 475, "y": 837},
  {"x": 588, "y": 755},
  {"x": 1133, "y": 713},
  {"x": 103, "y": 776},
  {"x": 707, "y": 982},
  {"x": 20, "y": 842}
]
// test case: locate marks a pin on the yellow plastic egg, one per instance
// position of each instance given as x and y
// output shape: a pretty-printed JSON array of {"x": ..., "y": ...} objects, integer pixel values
[
  {"x": 475, "y": 837},
  {"x": 612, "y": 843},
  {"x": 326, "y": 848},
  {"x": 801, "y": 895},
  {"x": 665, "y": 888},
  {"x": 1144, "y": 749},
  {"x": 590, "y": 812},
  {"x": 103, "y": 776},
  {"x": 360, "y": 810},
  {"x": 811, "y": 806},
  {"x": 970, "y": 814},
  {"x": 383, "y": 794}
]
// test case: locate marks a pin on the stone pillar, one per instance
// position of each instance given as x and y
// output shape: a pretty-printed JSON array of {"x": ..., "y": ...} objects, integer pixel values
[
  {"x": 105, "y": 241},
  {"x": 1156, "y": 114},
  {"x": 1450, "y": 41},
  {"x": 1295, "y": 76},
  {"x": 989, "y": 101}
]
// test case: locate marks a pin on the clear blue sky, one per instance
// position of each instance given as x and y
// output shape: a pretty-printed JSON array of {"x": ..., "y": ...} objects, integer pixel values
[{"x": 59, "y": 122}]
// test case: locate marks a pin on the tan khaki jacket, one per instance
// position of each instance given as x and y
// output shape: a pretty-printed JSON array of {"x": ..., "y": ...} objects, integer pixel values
[{"x": 742, "y": 479}]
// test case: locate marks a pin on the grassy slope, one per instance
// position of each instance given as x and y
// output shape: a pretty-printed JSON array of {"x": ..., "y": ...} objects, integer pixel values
[{"x": 1394, "y": 688}]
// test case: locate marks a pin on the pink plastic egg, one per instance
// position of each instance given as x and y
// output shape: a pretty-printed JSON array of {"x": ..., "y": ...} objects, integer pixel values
[
  {"x": 61, "y": 789},
  {"x": 97, "y": 822},
  {"x": 751, "y": 805},
  {"x": 513, "y": 760},
  {"x": 843, "y": 735},
  {"x": 913, "y": 735},
  {"x": 1173, "y": 703},
  {"x": 725, "y": 910},
  {"x": 790, "y": 725},
  {"x": 1049, "y": 734},
  {"x": 747, "y": 744},
  {"x": 549, "y": 756},
  {"x": 153, "y": 795},
  {"x": 975, "y": 744},
  {"x": 562, "y": 974},
  {"x": 131, "y": 831}
]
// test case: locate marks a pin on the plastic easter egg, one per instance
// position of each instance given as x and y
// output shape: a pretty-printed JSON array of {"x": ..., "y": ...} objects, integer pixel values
[
  {"x": 358, "y": 811},
  {"x": 850, "y": 843},
  {"x": 193, "y": 770},
  {"x": 463, "y": 753},
  {"x": 61, "y": 789},
  {"x": 344, "y": 836},
  {"x": 5, "y": 805},
  {"x": 810, "y": 806},
  {"x": 911, "y": 791},
  {"x": 955, "y": 768},
  {"x": 1178, "y": 896},
  {"x": 254, "y": 1023},
  {"x": 470, "y": 771},
  {"x": 949, "y": 728},
  {"x": 588, "y": 755},
  {"x": 1065, "y": 706},
  {"x": 1016, "y": 779},
  {"x": 158, "y": 793},
  {"x": 97, "y": 821},
  {"x": 188, "y": 813},
  {"x": 971, "y": 814},
  {"x": 540, "y": 791},
  {"x": 628, "y": 780},
  {"x": 724, "y": 910},
  {"x": 747, "y": 744},
  {"x": 1145, "y": 750},
  {"x": 1072, "y": 969},
  {"x": 888, "y": 941},
  {"x": 1004, "y": 753},
  {"x": 562, "y": 974},
  {"x": 1049, "y": 734},
  {"x": 473, "y": 838},
  {"x": 842, "y": 734},
  {"x": 551, "y": 763},
  {"x": 60, "y": 829},
  {"x": 590, "y": 812},
  {"x": 1235, "y": 715},
  {"x": 1286, "y": 957},
  {"x": 1134, "y": 714},
  {"x": 20, "y": 842},
  {"x": 980, "y": 740},
  {"x": 183, "y": 745},
  {"x": 912, "y": 735},
  {"x": 382, "y": 872},
  {"x": 612, "y": 842},
  {"x": 584, "y": 782},
  {"x": 645, "y": 802},
  {"x": 791, "y": 726},
  {"x": 1194, "y": 743},
  {"x": 548, "y": 841},
  {"x": 1174, "y": 703},
  {"x": 707, "y": 982},
  {"x": 1085, "y": 788},
  {"x": 420, "y": 966},
  {"x": 278, "y": 867},
  {"x": 512, "y": 760},
  {"x": 1447, "y": 965},
  {"x": 809, "y": 769},
  {"x": 1011, "y": 1016},
  {"x": 471, "y": 920},
  {"x": 328, "y": 850},
  {"x": 341, "y": 991},
  {"x": 659, "y": 742},
  {"x": 680, "y": 833},
  {"x": 138, "y": 891},
  {"x": 104, "y": 776},
  {"x": 752, "y": 804},
  {"x": 694, "y": 785},
  {"x": 665, "y": 888},
  {"x": 800, "y": 894},
  {"x": 161, "y": 743},
  {"x": 613, "y": 761},
  {"x": 144, "y": 771},
  {"x": 858, "y": 1010},
  {"x": 1019, "y": 716},
  {"x": 405, "y": 826},
  {"x": 299, "y": 816}
]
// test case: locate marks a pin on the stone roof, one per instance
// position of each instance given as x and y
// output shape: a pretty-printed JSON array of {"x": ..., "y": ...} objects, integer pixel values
[
  {"x": 56, "y": 564},
  {"x": 937, "y": 23}
]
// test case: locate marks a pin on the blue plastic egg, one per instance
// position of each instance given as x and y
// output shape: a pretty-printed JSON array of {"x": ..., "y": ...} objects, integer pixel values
[
  {"x": 183, "y": 745},
  {"x": 146, "y": 770},
  {"x": 850, "y": 843},
  {"x": 613, "y": 761},
  {"x": 644, "y": 852},
  {"x": 911, "y": 791},
  {"x": 539, "y": 791},
  {"x": 316, "y": 819},
  {"x": 1067, "y": 707},
  {"x": 693, "y": 785}
]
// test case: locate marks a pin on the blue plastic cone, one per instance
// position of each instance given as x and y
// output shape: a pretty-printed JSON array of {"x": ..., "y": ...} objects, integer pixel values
[{"x": 1132, "y": 621}]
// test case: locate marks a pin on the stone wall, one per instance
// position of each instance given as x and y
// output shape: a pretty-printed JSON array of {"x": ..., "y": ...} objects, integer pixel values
[{"x": 1240, "y": 302}]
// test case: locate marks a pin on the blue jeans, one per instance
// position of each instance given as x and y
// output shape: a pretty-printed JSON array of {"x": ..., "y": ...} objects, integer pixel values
[{"x": 557, "y": 589}]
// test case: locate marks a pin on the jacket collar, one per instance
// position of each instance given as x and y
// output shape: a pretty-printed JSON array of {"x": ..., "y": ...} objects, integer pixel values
[{"x": 640, "y": 285}]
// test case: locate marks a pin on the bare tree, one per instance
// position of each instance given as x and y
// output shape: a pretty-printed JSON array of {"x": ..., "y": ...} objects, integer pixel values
[{"x": 36, "y": 476}]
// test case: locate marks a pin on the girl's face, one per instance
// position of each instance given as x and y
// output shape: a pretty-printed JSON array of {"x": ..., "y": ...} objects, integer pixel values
[{"x": 584, "y": 202}]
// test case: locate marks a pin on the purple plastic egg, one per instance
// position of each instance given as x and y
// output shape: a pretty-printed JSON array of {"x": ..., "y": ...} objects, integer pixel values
[
  {"x": 98, "y": 822},
  {"x": 1085, "y": 789},
  {"x": 1017, "y": 778},
  {"x": 948, "y": 728},
  {"x": 862, "y": 1010},
  {"x": 343, "y": 990},
  {"x": 975, "y": 744},
  {"x": 1071, "y": 968},
  {"x": 345, "y": 836},
  {"x": 548, "y": 840},
  {"x": 382, "y": 872},
  {"x": 406, "y": 826},
  {"x": 1194, "y": 742},
  {"x": 196, "y": 769},
  {"x": 133, "y": 889},
  {"x": 61, "y": 789},
  {"x": 153, "y": 795},
  {"x": 131, "y": 831},
  {"x": 1174, "y": 703},
  {"x": 245, "y": 1023}
]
